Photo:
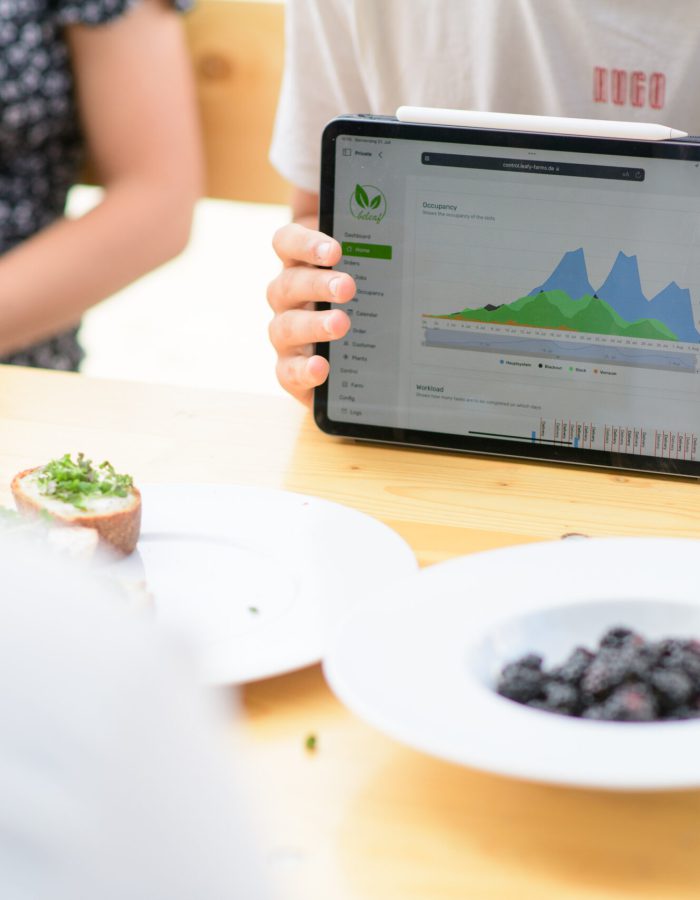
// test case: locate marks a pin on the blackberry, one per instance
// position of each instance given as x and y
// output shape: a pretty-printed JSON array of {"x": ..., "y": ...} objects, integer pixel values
[
  {"x": 627, "y": 680},
  {"x": 633, "y": 702},
  {"x": 540, "y": 704},
  {"x": 574, "y": 667},
  {"x": 561, "y": 697},
  {"x": 683, "y": 712},
  {"x": 607, "y": 670},
  {"x": 690, "y": 663},
  {"x": 670, "y": 653},
  {"x": 629, "y": 703},
  {"x": 522, "y": 680},
  {"x": 619, "y": 637},
  {"x": 641, "y": 662},
  {"x": 531, "y": 661},
  {"x": 597, "y": 711},
  {"x": 673, "y": 688}
]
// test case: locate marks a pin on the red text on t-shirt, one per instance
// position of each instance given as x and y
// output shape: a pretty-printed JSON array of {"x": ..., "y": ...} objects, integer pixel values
[{"x": 624, "y": 88}]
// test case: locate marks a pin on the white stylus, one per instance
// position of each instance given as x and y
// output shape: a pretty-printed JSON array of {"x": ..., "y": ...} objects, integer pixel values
[{"x": 641, "y": 131}]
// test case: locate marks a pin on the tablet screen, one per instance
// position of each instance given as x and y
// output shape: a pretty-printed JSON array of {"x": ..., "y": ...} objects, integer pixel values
[{"x": 529, "y": 296}]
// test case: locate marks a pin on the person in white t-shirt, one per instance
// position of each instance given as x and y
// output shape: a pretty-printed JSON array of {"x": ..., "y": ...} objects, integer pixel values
[{"x": 631, "y": 59}]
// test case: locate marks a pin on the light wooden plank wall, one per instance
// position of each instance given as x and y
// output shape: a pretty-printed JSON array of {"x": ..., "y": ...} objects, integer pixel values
[{"x": 238, "y": 55}]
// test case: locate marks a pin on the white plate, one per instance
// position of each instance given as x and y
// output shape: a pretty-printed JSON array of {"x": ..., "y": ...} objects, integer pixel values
[
  {"x": 421, "y": 666},
  {"x": 255, "y": 577}
]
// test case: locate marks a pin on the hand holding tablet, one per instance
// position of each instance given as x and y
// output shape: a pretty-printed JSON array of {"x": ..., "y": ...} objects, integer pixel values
[{"x": 518, "y": 293}]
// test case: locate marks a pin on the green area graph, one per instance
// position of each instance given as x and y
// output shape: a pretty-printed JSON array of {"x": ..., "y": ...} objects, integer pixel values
[{"x": 555, "y": 309}]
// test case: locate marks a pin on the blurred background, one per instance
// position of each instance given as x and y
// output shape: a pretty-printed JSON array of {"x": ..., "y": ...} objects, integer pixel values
[{"x": 201, "y": 320}]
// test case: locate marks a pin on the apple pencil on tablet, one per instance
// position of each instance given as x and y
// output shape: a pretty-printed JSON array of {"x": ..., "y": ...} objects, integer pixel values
[{"x": 640, "y": 131}]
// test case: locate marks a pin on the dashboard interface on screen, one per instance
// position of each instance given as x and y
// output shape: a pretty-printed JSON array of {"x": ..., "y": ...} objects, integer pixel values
[{"x": 530, "y": 301}]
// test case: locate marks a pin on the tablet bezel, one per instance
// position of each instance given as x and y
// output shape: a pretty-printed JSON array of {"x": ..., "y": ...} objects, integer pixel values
[{"x": 390, "y": 127}]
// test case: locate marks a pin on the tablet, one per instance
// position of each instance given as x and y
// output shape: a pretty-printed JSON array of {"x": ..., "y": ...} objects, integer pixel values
[{"x": 522, "y": 295}]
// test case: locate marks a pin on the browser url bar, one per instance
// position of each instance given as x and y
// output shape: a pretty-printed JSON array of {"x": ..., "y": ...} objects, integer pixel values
[{"x": 533, "y": 167}]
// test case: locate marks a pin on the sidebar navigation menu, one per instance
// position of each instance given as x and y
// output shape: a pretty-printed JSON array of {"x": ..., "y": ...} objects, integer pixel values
[{"x": 362, "y": 387}]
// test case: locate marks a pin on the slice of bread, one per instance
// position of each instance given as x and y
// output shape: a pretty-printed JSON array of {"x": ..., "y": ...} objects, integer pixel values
[{"x": 116, "y": 519}]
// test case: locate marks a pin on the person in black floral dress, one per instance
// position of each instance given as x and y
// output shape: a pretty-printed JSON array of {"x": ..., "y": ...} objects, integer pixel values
[{"x": 108, "y": 79}]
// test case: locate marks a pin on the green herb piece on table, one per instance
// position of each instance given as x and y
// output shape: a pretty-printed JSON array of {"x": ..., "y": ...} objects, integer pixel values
[
  {"x": 311, "y": 743},
  {"x": 76, "y": 481}
]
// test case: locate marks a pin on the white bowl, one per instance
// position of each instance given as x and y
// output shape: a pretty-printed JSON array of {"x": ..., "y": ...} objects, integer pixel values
[{"x": 422, "y": 665}]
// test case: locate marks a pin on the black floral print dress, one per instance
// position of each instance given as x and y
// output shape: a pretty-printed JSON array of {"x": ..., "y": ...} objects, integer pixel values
[{"x": 41, "y": 145}]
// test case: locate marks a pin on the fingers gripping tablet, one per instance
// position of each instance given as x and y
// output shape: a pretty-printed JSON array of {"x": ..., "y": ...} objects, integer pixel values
[{"x": 520, "y": 294}]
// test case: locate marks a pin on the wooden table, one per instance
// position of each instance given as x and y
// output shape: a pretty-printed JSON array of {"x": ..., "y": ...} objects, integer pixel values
[{"x": 363, "y": 818}]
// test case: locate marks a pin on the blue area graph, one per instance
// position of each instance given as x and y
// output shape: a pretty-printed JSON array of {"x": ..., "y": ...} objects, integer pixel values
[{"x": 622, "y": 290}]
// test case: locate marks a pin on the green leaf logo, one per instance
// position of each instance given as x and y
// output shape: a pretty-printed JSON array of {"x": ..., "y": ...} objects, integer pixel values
[
  {"x": 368, "y": 203},
  {"x": 361, "y": 197}
]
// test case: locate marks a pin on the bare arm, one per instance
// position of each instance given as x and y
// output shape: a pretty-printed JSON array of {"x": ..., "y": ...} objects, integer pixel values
[
  {"x": 296, "y": 326},
  {"x": 304, "y": 208},
  {"x": 136, "y": 101}
]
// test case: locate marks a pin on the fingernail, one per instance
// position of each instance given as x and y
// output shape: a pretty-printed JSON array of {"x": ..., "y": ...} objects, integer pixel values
[
  {"x": 333, "y": 285},
  {"x": 322, "y": 251},
  {"x": 328, "y": 324}
]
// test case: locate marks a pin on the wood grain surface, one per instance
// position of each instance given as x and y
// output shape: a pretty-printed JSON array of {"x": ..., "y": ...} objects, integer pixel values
[{"x": 361, "y": 817}]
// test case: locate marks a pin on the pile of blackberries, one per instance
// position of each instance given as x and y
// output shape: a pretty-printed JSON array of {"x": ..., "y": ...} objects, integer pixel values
[{"x": 628, "y": 679}]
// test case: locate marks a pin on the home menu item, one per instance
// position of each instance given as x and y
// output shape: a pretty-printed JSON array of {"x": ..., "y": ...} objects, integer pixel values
[{"x": 518, "y": 294}]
